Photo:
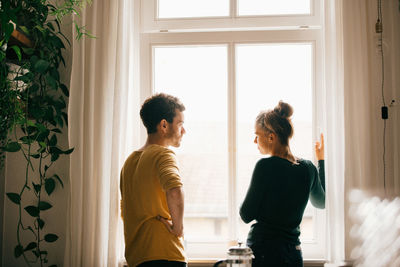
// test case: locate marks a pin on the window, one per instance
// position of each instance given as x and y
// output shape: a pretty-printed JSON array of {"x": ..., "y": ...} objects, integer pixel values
[{"x": 226, "y": 70}]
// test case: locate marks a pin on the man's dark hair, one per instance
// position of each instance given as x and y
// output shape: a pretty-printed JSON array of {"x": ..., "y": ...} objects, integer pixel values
[{"x": 158, "y": 107}]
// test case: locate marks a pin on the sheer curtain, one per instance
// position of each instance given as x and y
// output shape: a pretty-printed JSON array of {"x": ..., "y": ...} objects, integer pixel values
[
  {"x": 99, "y": 117},
  {"x": 334, "y": 102},
  {"x": 354, "y": 124}
]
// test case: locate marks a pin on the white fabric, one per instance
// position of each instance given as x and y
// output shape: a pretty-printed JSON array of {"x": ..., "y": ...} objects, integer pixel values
[
  {"x": 334, "y": 132},
  {"x": 101, "y": 84},
  {"x": 354, "y": 85}
]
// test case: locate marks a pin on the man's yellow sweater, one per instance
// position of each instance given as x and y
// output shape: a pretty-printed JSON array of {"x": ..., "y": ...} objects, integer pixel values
[{"x": 145, "y": 177}]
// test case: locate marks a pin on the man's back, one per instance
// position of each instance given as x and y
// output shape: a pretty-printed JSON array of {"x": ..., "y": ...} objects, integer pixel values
[{"x": 145, "y": 177}]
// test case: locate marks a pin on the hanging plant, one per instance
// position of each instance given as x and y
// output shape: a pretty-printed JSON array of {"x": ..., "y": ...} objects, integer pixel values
[{"x": 33, "y": 111}]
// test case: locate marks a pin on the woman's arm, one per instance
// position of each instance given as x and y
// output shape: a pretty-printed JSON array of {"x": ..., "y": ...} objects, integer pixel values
[
  {"x": 317, "y": 194},
  {"x": 250, "y": 206}
]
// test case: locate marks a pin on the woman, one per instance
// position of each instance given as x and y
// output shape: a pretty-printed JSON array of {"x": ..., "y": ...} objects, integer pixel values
[{"x": 279, "y": 191}]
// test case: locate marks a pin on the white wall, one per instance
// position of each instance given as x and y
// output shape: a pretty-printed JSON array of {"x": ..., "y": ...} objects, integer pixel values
[{"x": 55, "y": 218}]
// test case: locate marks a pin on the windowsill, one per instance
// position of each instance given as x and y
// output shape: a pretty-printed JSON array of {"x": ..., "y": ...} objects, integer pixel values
[{"x": 210, "y": 262}]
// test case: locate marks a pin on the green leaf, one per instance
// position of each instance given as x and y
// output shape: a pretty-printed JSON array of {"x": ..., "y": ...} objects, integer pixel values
[
  {"x": 17, "y": 51},
  {"x": 37, "y": 187},
  {"x": 40, "y": 223},
  {"x": 34, "y": 59},
  {"x": 31, "y": 129},
  {"x": 65, "y": 116},
  {"x": 57, "y": 42},
  {"x": 59, "y": 121},
  {"x": 30, "y": 246},
  {"x": 35, "y": 156},
  {"x": 43, "y": 135},
  {"x": 2, "y": 56},
  {"x": 37, "y": 113},
  {"x": 50, "y": 238},
  {"x": 35, "y": 253},
  {"x": 41, "y": 127},
  {"x": 24, "y": 29},
  {"x": 41, "y": 66},
  {"x": 56, "y": 130},
  {"x": 59, "y": 180},
  {"x": 64, "y": 89},
  {"x": 28, "y": 51},
  {"x": 12, "y": 147},
  {"x": 8, "y": 30},
  {"x": 14, "y": 198},
  {"x": 32, "y": 210},
  {"x": 55, "y": 74},
  {"x": 55, "y": 150},
  {"x": 51, "y": 81},
  {"x": 53, "y": 140},
  {"x": 40, "y": 28},
  {"x": 26, "y": 78},
  {"x": 54, "y": 157},
  {"x": 49, "y": 24},
  {"x": 43, "y": 205},
  {"x": 30, "y": 123},
  {"x": 18, "y": 250},
  {"x": 26, "y": 140},
  {"x": 49, "y": 185},
  {"x": 69, "y": 151}
]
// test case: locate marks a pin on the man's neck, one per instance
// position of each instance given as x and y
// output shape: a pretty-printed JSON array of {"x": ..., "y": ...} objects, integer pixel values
[{"x": 155, "y": 139}]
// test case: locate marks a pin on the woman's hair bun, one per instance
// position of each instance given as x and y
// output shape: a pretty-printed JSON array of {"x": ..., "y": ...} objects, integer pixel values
[{"x": 284, "y": 109}]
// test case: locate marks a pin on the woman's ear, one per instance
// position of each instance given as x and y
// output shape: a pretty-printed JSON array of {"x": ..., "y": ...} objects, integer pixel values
[{"x": 271, "y": 137}]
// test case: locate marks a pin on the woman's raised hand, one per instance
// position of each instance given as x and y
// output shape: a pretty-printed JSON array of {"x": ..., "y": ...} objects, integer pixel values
[{"x": 319, "y": 148}]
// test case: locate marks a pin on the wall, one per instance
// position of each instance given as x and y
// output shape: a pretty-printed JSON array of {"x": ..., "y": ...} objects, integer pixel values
[
  {"x": 364, "y": 153},
  {"x": 55, "y": 218}
]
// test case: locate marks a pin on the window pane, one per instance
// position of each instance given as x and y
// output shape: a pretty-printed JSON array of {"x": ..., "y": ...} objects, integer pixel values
[
  {"x": 198, "y": 76},
  {"x": 192, "y": 8},
  {"x": 273, "y": 7},
  {"x": 267, "y": 73}
]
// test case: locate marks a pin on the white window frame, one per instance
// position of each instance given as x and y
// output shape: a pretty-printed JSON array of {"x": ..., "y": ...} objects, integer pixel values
[
  {"x": 232, "y": 31},
  {"x": 150, "y": 22}
]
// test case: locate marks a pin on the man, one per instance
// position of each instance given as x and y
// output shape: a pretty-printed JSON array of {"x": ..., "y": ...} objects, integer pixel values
[{"x": 151, "y": 189}]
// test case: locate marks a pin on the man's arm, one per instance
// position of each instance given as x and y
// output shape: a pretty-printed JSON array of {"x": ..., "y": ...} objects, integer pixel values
[{"x": 175, "y": 201}]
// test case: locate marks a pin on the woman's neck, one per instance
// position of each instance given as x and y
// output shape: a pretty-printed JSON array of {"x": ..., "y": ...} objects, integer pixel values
[{"x": 284, "y": 152}]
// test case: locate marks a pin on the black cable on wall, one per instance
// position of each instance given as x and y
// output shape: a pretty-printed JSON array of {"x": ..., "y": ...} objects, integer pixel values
[{"x": 384, "y": 108}]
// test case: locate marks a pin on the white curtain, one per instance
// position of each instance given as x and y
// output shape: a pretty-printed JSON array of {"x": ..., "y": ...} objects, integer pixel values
[
  {"x": 334, "y": 100},
  {"x": 101, "y": 86},
  {"x": 354, "y": 124}
]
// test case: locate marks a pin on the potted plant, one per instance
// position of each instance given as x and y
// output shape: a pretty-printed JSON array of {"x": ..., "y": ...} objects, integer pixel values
[{"x": 33, "y": 110}]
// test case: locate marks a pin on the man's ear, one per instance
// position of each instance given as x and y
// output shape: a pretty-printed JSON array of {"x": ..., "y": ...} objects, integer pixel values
[{"x": 163, "y": 125}]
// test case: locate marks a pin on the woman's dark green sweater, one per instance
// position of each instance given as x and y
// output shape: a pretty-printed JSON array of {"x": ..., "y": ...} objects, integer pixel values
[{"x": 277, "y": 196}]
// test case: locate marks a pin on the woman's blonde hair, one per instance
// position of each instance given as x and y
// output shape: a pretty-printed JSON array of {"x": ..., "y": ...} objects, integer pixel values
[{"x": 277, "y": 121}]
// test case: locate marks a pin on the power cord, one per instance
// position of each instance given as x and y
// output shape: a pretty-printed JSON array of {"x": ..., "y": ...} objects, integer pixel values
[{"x": 384, "y": 109}]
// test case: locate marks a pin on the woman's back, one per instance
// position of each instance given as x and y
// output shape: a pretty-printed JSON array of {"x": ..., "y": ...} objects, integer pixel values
[{"x": 277, "y": 197}]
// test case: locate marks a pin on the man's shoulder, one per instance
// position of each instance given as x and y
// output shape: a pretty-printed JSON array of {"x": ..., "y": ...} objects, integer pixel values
[
  {"x": 157, "y": 149},
  {"x": 152, "y": 153}
]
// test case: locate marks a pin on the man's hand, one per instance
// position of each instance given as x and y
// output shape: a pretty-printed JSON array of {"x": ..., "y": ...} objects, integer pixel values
[
  {"x": 175, "y": 201},
  {"x": 170, "y": 226},
  {"x": 319, "y": 148}
]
